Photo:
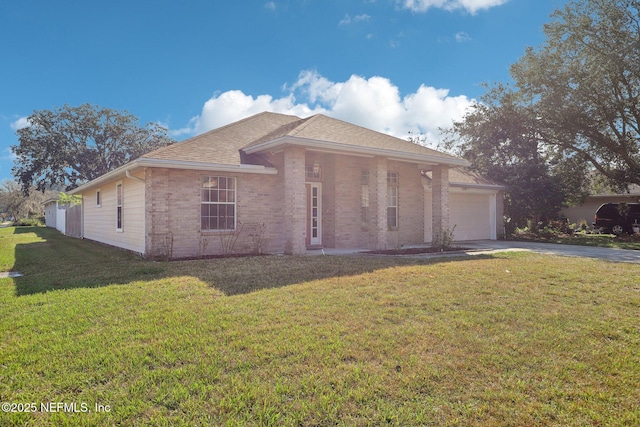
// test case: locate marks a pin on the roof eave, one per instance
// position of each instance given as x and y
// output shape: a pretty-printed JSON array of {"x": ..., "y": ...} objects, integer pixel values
[
  {"x": 335, "y": 147},
  {"x": 144, "y": 162},
  {"x": 103, "y": 178},
  {"x": 605, "y": 196},
  {"x": 478, "y": 186}
]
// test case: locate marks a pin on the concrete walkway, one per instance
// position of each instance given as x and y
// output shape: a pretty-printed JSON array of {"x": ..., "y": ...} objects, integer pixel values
[
  {"x": 482, "y": 247},
  {"x": 9, "y": 274}
]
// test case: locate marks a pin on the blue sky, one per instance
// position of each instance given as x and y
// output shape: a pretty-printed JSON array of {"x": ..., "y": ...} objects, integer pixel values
[{"x": 396, "y": 66}]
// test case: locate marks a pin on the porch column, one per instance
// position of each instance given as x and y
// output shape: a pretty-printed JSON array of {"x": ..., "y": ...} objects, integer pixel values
[
  {"x": 381, "y": 202},
  {"x": 440, "y": 202},
  {"x": 295, "y": 209}
]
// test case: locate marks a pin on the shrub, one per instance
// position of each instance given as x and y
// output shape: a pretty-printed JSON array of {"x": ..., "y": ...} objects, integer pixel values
[
  {"x": 541, "y": 230},
  {"x": 444, "y": 239},
  {"x": 29, "y": 222}
]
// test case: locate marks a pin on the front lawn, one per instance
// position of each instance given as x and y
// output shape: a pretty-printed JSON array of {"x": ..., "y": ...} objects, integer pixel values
[{"x": 106, "y": 338}]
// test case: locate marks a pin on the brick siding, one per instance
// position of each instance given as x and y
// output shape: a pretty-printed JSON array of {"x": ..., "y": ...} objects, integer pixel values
[
  {"x": 173, "y": 215},
  {"x": 271, "y": 209}
]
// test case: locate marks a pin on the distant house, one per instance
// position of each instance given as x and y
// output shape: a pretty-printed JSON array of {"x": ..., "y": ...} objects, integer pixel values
[
  {"x": 587, "y": 210},
  {"x": 281, "y": 184}
]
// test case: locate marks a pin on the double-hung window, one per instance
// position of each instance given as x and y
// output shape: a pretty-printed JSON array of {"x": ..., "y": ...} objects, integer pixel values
[
  {"x": 218, "y": 203},
  {"x": 392, "y": 199},
  {"x": 119, "y": 200}
]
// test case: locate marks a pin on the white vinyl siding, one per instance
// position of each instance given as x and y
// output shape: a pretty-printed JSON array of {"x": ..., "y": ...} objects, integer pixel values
[{"x": 100, "y": 222}]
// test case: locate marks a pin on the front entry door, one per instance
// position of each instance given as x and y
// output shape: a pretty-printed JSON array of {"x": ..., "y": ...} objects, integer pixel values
[{"x": 314, "y": 214}]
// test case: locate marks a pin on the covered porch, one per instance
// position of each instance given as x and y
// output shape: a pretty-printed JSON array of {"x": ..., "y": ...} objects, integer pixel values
[{"x": 344, "y": 200}]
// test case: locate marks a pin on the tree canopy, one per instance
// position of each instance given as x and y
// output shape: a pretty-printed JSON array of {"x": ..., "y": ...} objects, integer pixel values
[
  {"x": 16, "y": 205},
  {"x": 498, "y": 141},
  {"x": 583, "y": 85},
  {"x": 573, "y": 108},
  {"x": 69, "y": 146}
]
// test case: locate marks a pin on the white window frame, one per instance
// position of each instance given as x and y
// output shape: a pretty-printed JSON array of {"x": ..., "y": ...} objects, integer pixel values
[
  {"x": 392, "y": 200},
  {"x": 98, "y": 198},
  {"x": 119, "y": 206},
  {"x": 209, "y": 190}
]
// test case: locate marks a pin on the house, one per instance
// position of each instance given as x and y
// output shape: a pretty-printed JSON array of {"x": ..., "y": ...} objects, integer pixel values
[
  {"x": 587, "y": 210},
  {"x": 277, "y": 183}
]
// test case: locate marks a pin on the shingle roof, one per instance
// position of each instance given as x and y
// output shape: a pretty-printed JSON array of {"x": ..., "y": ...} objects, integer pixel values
[
  {"x": 323, "y": 128},
  {"x": 224, "y": 145},
  {"x": 462, "y": 176}
]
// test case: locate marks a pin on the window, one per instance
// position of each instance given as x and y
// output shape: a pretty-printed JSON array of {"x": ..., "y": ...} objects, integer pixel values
[
  {"x": 98, "y": 201},
  {"x": 364, "y": 196},
  {"x": 119, "y": 197},
  {"x": 218, "y": 203},
  {"x": 392, "y": 199}
]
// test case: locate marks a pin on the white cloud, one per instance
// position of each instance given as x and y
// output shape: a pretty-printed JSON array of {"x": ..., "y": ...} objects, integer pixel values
[
  {"x": 358, "y": 18},
  {"x": 22, "y": 122},
  {"x": 270, "y": 5},
  {"x": 375, "y": 103},
  {"x": 234, "y": 105},
  {"x": 462, "y": 37},
  {"x": 471, "y": 6}
]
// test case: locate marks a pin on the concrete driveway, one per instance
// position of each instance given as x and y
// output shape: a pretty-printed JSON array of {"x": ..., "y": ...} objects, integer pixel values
[
  {"x": 479, "y": 247},
  {"x": 610, "y": 254}
]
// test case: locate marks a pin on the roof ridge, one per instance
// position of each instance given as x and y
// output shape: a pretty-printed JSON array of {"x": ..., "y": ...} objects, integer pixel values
[
  {"x": 288, "y": 129},
  {"x": 303, "y": 124},
  {"x": 365, "y": 129}
]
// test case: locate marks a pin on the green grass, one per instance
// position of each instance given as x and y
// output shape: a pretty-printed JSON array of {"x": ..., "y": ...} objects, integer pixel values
[
  {"x": 514, "y": 339},
  {"x": 584, "y": 239}
]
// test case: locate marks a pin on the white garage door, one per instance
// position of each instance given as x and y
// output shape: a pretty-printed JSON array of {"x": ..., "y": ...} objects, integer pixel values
[{"x": 472, "y": 216}]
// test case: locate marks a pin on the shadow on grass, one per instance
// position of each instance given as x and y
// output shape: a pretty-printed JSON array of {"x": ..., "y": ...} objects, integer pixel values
[
  {"x": 50, "y": 261},
  {"x": 58, "y": 262}
]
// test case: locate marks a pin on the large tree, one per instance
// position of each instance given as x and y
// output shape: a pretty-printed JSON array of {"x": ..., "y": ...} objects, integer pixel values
[
  {"x": 582, "y": 85},
  {"x": 68, "y": 146},
  {"x": 573, "y": 108},
  {"x": 16, "y": 205},
  {"x": 498, "y": 140}
]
